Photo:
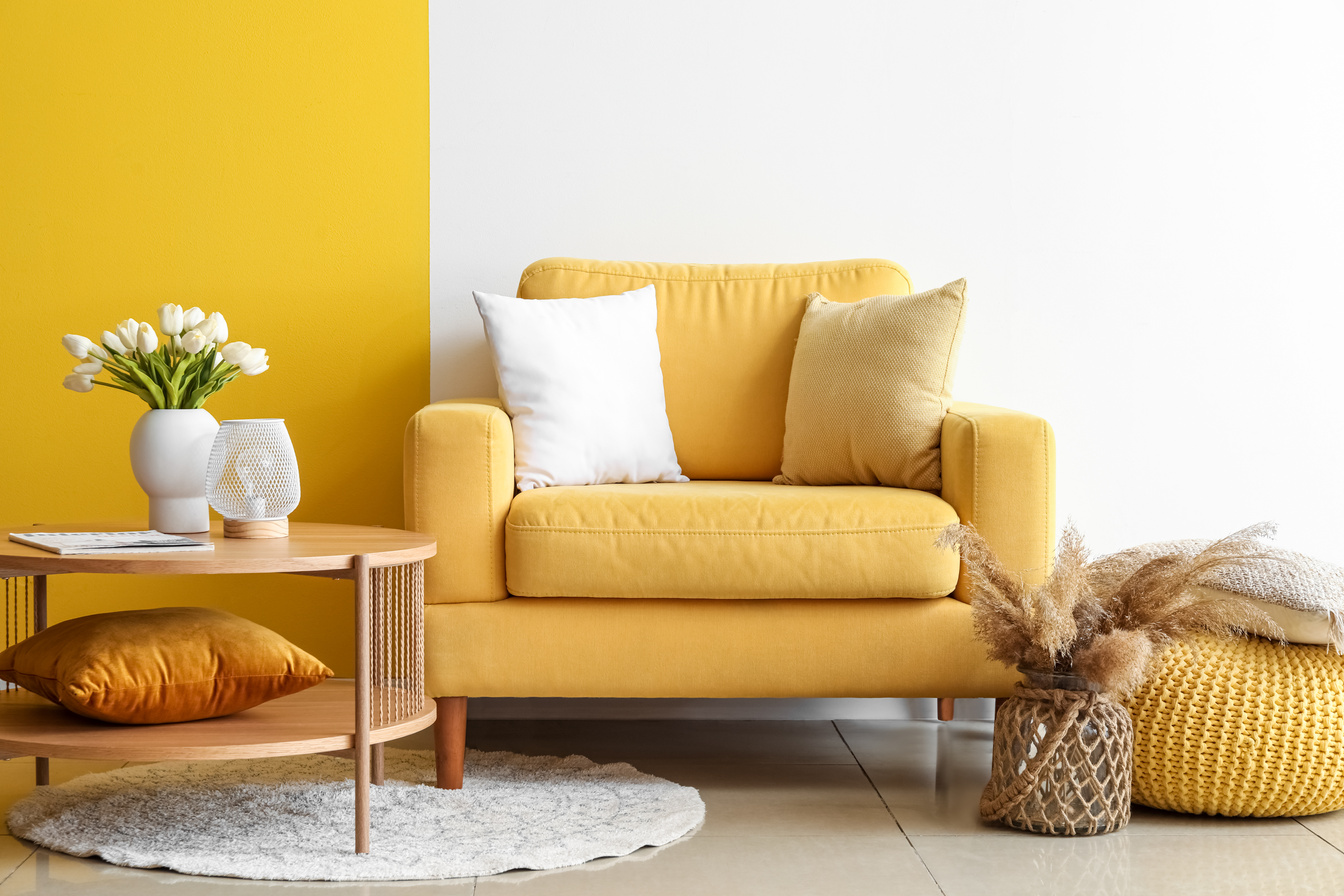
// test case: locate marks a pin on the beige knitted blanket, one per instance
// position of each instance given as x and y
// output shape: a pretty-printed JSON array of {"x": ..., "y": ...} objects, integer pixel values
[{"x": 1284, "y": 578}]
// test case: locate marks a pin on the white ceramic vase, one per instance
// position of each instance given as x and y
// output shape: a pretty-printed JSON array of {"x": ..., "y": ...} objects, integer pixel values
[{"x": 169, "y": 452}]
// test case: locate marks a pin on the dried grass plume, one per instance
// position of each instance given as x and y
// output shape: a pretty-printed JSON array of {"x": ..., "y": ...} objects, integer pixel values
[{"x": 1097, "y": 619}]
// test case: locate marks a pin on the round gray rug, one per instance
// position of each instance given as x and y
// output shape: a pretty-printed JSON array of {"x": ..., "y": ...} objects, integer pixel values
[{"x": 293, "y": 818}]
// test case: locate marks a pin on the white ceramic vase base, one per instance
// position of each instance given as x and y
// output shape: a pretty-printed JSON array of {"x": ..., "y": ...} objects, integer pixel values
[
  {"x": 179, "y": 516},
  {"x": 169, "y": 451}
]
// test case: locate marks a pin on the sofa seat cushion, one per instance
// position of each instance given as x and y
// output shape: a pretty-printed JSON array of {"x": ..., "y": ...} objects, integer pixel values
[{"x": 716, "y": 539}]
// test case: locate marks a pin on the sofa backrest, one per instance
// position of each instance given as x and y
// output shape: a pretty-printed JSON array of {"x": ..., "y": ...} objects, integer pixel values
[{"x": 726, "y": 333}]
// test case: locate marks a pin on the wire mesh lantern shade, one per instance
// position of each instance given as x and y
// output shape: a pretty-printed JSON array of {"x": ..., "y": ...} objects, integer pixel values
[{"x": 252, "y": 478}]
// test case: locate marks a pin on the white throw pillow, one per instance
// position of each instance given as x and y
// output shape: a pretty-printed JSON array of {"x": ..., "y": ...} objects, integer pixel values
[
  {"x": 1299, "y": 626},
  {"x": 582, "y": 380}
]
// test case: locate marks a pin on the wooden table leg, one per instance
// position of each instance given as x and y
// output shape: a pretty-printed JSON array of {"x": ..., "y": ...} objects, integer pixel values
[
  {"x": 450, "y": 741},
  {"x": 40, "y": 623},
  {"x": 363, "y": 757}
]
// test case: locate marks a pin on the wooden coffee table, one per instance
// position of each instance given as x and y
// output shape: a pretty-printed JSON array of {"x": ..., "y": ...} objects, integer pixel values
[{"x": 385, "y": 701}]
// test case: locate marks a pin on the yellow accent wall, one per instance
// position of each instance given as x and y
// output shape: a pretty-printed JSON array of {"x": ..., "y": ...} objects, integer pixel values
[{"x": 266, "y": 160}]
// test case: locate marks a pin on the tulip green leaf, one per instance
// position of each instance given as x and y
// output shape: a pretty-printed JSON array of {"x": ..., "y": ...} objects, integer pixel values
[
  {"x": 118, "y": 373},
  {"x": 158, "y": 366}
]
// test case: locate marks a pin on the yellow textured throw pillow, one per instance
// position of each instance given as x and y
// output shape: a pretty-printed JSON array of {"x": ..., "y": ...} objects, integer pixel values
[
  {"x": 870, "y": 385},
  {"x": 175, "y": 664}
]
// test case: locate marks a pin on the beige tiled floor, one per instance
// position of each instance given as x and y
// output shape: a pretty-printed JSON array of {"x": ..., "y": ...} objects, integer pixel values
[{"x": 806, "y": 808}]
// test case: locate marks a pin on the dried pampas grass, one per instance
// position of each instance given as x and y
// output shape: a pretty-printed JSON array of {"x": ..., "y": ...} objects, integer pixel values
[{"x": 1094, "y": 619}]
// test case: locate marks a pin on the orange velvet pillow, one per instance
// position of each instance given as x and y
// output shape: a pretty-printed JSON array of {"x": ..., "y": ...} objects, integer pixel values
[{"x": 143, "y": 667}]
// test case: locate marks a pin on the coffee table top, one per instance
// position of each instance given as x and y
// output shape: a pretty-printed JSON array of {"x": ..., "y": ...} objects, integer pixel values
[{"x": 309, "y": 547}]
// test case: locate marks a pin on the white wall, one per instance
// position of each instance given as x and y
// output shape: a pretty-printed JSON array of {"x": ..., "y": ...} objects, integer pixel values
[{"x": 1145, "y": 199}]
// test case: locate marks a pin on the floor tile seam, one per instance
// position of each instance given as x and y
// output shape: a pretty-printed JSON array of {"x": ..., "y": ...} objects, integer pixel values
[
  {"x": 771, "y": 764},
  {"x": 925, "y": 865},
  {"x": 869, "y": 779},
  {"x": 811, "y": 835},
  {"x": 726, "y": 804},
  {"x": 889, "y": 836},
  {"x": 1117, "y": 835},
  {"x": 1125, "y": 835},
  {"x": 32, "y": 851},
  {"x": 1319, "y": 836}
]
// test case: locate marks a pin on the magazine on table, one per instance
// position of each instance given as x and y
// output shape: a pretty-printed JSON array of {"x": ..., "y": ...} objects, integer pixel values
[{"x": 149, "y": 541}]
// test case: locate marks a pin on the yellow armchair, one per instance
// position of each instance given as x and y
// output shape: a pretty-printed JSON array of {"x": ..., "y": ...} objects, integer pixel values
[{"x": 729, "y": 585}]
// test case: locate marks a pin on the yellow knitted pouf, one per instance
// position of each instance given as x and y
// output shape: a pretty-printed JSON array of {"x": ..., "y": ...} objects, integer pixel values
[{"x": 1241, "y": 727}]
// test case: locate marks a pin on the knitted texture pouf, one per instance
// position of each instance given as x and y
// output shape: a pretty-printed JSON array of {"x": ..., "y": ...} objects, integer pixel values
[{"x": 1241, "y": 727}]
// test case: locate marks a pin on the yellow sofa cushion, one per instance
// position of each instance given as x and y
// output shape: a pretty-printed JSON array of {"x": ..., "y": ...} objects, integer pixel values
[
  {"x": 726, "y": 334},
  {"x": 871, "y": 383},
  {"x": 712, "y": 539},
  {"x": 175, "y": 664}
]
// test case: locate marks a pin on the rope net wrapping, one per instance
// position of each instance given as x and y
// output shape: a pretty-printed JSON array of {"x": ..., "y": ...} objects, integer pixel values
[
  {"x": 397, "y": 638},
  {"x": 1062, "y": 764}
]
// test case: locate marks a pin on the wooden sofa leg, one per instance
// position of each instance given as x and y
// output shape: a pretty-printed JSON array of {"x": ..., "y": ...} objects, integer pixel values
[
  {"x": 450, "y": 741},
  {"x": 945, "y": 708}
]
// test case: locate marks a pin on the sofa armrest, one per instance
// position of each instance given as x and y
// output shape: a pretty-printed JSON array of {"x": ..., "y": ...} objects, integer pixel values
[
  {"x": 458, "y": 483},
  {"x": 999, "y": 475}
]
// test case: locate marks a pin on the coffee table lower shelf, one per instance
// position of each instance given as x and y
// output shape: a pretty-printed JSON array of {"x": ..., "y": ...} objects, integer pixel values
[{"x": 318, "y": 720}]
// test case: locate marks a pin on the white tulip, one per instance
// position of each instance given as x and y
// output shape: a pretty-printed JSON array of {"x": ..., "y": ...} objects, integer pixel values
[
  {"x": 193, "y": 341},
  {"x": 207, "y": 329},
  {"x": 146, "y": 339},
  {"x": 113, "y": 343},
  {"x": 177, "y": 343},
  {"x": 128, "y": 332},
  {"x": 170, "y": 319},
  {"x": 191, "y": 317},
  {"x": 254, "y": 362},
  {"x": 77, "y": 345},
  {"x": 235, "y": 351},
  {"x": 220, "y": 333},
  {"x": 89, "y": 368},
  {"x": 78, "y": 382},
  {"x": 98, "y": 352},
  {"x": 219, "y": 359}
]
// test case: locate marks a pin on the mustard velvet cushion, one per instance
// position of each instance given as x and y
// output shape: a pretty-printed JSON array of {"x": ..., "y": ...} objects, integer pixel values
[
  {"x": 870, "y": 385},
  {"x": 143, "y": 667}
]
